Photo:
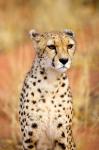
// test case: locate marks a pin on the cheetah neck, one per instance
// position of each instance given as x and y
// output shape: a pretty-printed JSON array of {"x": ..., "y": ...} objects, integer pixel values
[{"x": 42, "y": 72}]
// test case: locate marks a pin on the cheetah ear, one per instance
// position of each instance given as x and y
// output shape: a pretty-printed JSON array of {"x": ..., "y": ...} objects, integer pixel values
[
  {"x": 69, "y": 32},
  {"x": 34, "y": 35}
]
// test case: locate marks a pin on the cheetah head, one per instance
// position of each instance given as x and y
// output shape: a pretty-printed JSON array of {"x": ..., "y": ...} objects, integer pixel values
[{"x": 56, "y": 49}]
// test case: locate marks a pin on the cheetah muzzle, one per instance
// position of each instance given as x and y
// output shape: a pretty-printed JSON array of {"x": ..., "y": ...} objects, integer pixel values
[{"x": 46, "y": 110}]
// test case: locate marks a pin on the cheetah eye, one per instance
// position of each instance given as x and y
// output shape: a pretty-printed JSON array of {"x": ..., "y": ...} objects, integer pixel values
[
  {"x": 69, "y": 46},
  {"x": 51, "y": 47}
]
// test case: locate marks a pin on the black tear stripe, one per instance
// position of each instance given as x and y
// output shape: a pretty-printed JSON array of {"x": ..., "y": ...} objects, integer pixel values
[{"x": 54, "y": 59}]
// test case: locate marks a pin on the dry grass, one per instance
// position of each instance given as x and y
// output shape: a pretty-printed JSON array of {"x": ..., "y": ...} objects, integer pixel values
[{"x": 16, "y": 55}]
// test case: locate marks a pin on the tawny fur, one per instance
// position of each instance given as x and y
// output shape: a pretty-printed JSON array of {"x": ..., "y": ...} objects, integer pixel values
[{"x": 46, "y": 110}]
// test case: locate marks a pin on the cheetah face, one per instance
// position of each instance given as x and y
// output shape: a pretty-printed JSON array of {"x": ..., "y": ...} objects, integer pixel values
[{"x": 56, "y": 48}]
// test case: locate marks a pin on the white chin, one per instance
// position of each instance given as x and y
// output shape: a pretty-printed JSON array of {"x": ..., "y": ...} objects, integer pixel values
[{"x": 62, "y": 69}]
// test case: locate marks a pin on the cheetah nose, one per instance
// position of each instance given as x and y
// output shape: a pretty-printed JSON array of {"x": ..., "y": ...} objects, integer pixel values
[{"x": 63, "y": 60}]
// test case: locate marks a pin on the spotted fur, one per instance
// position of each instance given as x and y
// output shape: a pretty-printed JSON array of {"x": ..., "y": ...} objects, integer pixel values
[{"x": 46, "y": 110}]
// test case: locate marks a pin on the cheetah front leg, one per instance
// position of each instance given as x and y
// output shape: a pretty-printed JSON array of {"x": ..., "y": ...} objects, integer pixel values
[
  {"x": 29, "y": 144},
  {"x": 29, "y": 147},
  {"x": 62, "y": 145},
  {"x": 30, "y": 137},
  {"x": 66, "y": 141}
]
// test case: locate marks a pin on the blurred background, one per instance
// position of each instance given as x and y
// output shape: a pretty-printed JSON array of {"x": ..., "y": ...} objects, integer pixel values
[{"x": 17, "y": 17}]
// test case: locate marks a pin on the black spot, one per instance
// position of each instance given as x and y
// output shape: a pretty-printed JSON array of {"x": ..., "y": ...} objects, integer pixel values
[
  {"x": 70, "y": 120},
  {"x": 31, "y": 76},
  {"x": 22, "y": 95},
  {"x": 21, "y": 99},
  {"x": 63, "y": 84},
  {"x": 59, "y": 125},
  {"x": 39, "y": 90},
  {"x": 74, "y": 145},
  {"x": 62, "y": 96},
  {"x": 27, "y": 100},
  {"x": 59, "y": 115},
  {"x": 53, "y": 97},
  {"x": 42, "y": 96},
  {"x": 27, "y": 86},
  {"x": 24, "y": 100},
  {"x": 68, "y": 88},
  {"x": 59, "y": 105},
  {"x": 24, "y": 112},
  {"x": 62, "y": 145},
  {"x": 40, "y": 116},
  {"x": 41, "y": 72},
  {"x": 24, "y": 134},
  {"x": 34, "y": 125},
  {"x": 23, "y": 90},
  {"x": 63, "y": 108},
  {"x": 28, "y": 141},
  {"x": 26, "y": 107},
  {"x": 39, "y": 80},
  {"x": 21, "y": 106},
  {"x": 24, "y": 120},
  {"x": 21, "y": 113},
  {"x": 30, "y": 146},
  {"x": 21, "y": 123},
  {"x": 30, "y": 133},
  {"x": 45, "y": 78},
  {"x": 69, "y": 95},
  {"x": 65, "y": 93},
  {"x": 32, "y": 93},
  {"x": 33, "y": 102},
  {"x": 34, "y": 83},
  {"x": 22, "y": 130},
  {"x": 27, "y": 124},
  {"x": 52, "y": 101},
  {"x": 63, "y": 134},
  {"x": 57, "y": 91},
  {"x": 27, "y": 95},
  {"x": 56, "y": 142},
  {"x": 35, "y": 143},
  {"x": 64, "y": 78},
  {"x": 43, "y": 100},
  {"x": 58, "y": 78}
]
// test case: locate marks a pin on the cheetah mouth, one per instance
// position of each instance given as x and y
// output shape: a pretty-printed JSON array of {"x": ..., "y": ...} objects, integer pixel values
[
  {"x": 64, "y": 66},
  {"x": 62, "y": 69}
]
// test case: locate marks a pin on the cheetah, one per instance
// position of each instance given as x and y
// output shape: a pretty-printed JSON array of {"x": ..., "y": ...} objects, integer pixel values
[{"x": 46, "y": 110}]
